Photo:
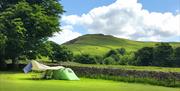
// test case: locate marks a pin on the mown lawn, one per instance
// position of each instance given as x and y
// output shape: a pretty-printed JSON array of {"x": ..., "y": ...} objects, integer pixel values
[{"x": 10, "y": 81}]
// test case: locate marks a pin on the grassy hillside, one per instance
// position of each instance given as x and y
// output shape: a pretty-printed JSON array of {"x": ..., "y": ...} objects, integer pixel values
[{"x": 98, "y": 44}]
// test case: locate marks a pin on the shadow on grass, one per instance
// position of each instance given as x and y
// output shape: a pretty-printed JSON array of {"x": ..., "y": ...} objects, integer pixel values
[
  {"x": 10, "y": 72},
  {"x": 42, "y": 79}
]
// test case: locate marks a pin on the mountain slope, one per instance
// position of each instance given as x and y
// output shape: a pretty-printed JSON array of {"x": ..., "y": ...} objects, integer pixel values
[{"x": 98, "y": 44}]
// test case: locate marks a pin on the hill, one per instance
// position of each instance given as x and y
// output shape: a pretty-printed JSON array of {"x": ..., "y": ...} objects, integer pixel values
[{"x": 98, "y": 44}]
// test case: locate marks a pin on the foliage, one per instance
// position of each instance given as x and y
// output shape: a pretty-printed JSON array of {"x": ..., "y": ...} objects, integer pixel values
[
  {"x": 2, "y": 51},
  {"x": 177, "y": 56},
  {"x": 61, "y": 53},
  {"x": 162, "y": 54},
  {"x": 121, "y": 51},
  {"x": 2, "y": 44},
  {"x": 144, "y": 56},
  {"x": 109, "y": 60},
  {"x": 27, "y": 24},
  {"x": 111, "y": 52},
  {"x": 119, "y": 56},
  {"x": 55, "y": 52},
  {"x": 85, "y": 59},
  {"x": 127, "y": 59},
  {"x": 99, "y": 59}
]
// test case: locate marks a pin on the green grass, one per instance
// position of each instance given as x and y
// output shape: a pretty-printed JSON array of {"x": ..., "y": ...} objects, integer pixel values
[
  {"x": 126, "y": 67},
  {"x": 21, "y": 82},
  {"x": 98, "y": 44}
]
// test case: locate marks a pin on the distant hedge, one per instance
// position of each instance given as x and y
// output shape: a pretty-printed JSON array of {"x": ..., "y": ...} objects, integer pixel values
[{"x": 171, "y": 79}]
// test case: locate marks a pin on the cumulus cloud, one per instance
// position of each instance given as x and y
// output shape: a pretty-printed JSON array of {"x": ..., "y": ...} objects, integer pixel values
[
  {"x": 128, "y": 19},
  {"x": 65, "y": 35}
]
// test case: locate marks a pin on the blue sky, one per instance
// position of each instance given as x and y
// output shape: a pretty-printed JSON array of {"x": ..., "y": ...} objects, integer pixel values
[
  {"x": 161, "y": 5},
  {"x": 141, "y": 20},
  {"x": 84, "y": 6}
]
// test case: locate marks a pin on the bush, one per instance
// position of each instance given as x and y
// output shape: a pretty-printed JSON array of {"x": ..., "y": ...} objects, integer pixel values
[
  {"x": 85, "y": 59},
  {"x": 124, "y": 60},
  {"x": 121, "y": 51},
  {"x": 116, "y": 57},
  {"x": 162, "y": 55},
  {"x": 177, "y": 56},
  {"x": 63, "y": 54},
  {"x": 127, "y": 59},
  {"x": 111, "y": 52},
  {"x": 144, "y": 56},
  {"x": 99, "y": 59},
  {"x": 109, "y": 60}
]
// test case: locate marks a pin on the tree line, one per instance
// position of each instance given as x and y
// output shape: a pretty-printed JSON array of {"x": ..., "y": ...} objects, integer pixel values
[{"x": 162, "y": 54}]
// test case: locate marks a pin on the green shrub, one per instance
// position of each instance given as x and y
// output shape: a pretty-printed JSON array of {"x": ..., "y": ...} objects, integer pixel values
[
  {"x": 99, "y": 59},
  {"x": 121, "y": 51},
  {"x": 111, "y": 52},
  {"x": 85, "y": 59},
  {"x": 127, "y": 59},
  {"x": 109, "y": 60}
]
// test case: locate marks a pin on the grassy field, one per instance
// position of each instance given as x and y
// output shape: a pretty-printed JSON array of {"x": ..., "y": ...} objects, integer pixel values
[
  {"x": 98, "y": 44},
  {"x": 22, "y": 82}
]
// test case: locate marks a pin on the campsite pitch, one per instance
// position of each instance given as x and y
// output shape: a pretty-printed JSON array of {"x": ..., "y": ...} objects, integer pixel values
[{"x": 23, "y": 82}]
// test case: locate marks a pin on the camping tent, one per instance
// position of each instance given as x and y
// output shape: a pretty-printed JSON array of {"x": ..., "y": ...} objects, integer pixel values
[
  {"x": 58, "y": 72},
  {"x": 61, "y": 74},
  {"x": 41, "y": 67}
]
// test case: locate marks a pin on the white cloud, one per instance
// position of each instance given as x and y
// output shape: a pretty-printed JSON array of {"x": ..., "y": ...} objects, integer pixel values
[
  {"x": 65, "y": 35},
  {"x": 128, "y": 19}
]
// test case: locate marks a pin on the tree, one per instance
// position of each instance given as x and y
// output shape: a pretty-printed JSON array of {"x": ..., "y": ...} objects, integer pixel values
[
  {"x": 121, "y": 51},
  {"x": 109, "y": 60},
  {"x": 162, "y": 54},
  {"x": 86, "y": 59},
  {"x": 111, "y": 52},
  {"x": 128, "y": 59},
  {"x": 144, "y": 56},
  {"x": 177, "y": 56},
  {"x": 116, "y": 57},
  {"x": 2, "y": 51},
  {"x": 55, "y": 52},
  {"x": 61, "y": 53},
  {"x": 27, "y": 24},
  {"x": 99, "y": 59},
  {"x": 45, "y": 49}
]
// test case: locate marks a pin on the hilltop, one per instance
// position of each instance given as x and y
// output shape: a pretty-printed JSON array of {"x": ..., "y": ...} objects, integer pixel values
[{"x": 97, "y": 44}]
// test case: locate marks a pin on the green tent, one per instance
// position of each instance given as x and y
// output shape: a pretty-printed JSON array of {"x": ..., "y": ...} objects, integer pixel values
[{"x": 61, "y": 74}]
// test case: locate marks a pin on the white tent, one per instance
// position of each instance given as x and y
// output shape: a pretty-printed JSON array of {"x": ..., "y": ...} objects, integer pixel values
[
  {"x": 41, "y": 67},
  {"x": 34, "y": 65}
]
